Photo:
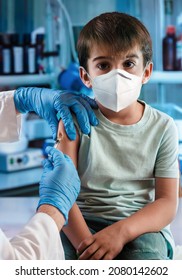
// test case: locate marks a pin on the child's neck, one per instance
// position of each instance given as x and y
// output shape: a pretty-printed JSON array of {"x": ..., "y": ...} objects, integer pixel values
[{"x": 128, "y": 116}]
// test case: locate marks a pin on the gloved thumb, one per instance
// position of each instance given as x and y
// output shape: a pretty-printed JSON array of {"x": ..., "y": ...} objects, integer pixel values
[
  {"x": 54, "y": 128},
  {"x": 47, "y": 165},
  {"x": 52, "y": 120}
]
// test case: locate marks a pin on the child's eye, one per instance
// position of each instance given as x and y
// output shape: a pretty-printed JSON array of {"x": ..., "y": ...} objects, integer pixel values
[
  {"x": 103, "y": 66},
  {"x": 129, "y": 64}
]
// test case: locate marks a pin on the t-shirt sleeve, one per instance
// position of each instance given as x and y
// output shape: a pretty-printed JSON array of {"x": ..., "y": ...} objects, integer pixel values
[{"x": 167, "y": 164}]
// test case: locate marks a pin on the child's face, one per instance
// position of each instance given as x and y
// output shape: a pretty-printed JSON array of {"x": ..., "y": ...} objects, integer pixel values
[{"x": 102, "y": 61}]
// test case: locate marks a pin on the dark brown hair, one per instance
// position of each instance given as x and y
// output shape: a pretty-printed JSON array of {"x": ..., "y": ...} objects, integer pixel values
[{"x": 118, "y": 31}]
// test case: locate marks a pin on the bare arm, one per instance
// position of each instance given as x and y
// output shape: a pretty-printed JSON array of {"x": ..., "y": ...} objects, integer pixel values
[
  {"x": 158, "y": 214},
  {"x": 54, "y": 213},
  {"x": 76, "y": 229},
  {"x": 76, "y": 215},
  {"x": 152, "y": 218}
]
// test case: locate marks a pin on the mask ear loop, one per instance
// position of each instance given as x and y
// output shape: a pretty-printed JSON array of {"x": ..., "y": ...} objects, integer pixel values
[
  {"x": 144, "y": 72},
  {"x": 92, "y": 80},
  {"x": 86, "y": 72}
]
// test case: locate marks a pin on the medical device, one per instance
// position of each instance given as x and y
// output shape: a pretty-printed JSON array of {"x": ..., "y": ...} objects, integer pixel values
[{"x": 30, "y": 158}]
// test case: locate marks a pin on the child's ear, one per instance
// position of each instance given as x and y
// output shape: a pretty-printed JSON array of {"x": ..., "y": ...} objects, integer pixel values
[
  {"x": 147, "y": 73},
  {"x": 85, "y": 78}
]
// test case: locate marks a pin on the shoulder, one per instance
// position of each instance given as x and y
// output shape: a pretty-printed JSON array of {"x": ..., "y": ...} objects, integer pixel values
[
  {"x": 159, "y": 114},
  {"x": 164, "y": 123}
]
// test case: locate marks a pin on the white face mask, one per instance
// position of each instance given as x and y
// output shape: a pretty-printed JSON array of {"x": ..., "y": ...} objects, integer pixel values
[{"x": 117, "y": 89}]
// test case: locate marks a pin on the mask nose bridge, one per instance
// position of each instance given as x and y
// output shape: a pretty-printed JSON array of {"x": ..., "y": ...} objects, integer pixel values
[
  {"x": 123, "y": 76},
  {"x": 119, "y": 76}
]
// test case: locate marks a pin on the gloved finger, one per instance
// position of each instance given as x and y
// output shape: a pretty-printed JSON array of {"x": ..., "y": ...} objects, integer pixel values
[
  {"x": 67, "y": 119},
  {"x": 53, "y": 123},
  {"x": 68, "y": 158},
  {"x": 88, "y": 115},
  {"x": 91, "y": 115},
  {"x": 56, "y": 156},
  {"x": 54, "y": 128},
  {"x": 89, "y": 100},
  {"x": 47, "y": 165},
  {"x": 82, "y": 117}
]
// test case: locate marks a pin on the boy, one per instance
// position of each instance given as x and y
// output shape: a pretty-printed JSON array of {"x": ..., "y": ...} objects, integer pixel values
[{"x": 128, "y": 166}]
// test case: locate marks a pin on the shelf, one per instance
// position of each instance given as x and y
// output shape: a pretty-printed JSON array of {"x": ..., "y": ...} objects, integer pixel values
[
  {"x": 160, "y": 77},
  {"x": 21, "y": 80},
  {"x": 166, "y": 77}
]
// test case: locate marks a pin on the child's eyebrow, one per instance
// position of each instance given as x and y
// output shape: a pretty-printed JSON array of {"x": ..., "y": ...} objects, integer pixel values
[
  {"x": 132, "y": 56},
  {"x": 101, "y": 57}
]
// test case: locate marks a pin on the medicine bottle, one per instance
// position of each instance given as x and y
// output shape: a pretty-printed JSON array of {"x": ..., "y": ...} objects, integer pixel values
[
  {"x": 179, "y": 43},
  {"x": 29, "y": 55},
  {"x": 17, "y": 54},
  {"x": 39, "y": 53},
  {"x": 1, "y": 54},
  {"x": 169, "y": 49},
  {"x": 7, "y": 55}
]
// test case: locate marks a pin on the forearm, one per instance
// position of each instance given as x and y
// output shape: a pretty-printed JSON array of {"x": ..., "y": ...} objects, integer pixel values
[
  {"x": 77, "y": 229},
  {"x": 54, "y": 213},
  {"x": 151, "y": 218}
]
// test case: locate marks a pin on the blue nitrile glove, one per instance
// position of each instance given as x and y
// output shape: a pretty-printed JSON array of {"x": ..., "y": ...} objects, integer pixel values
[
  {"x": 60, "y": 183},
  {"x": 48, "y": 102}
]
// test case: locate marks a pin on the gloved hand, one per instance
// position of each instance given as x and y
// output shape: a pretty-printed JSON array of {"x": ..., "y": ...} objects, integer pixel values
[
  {"x": 60, "y": 184},
  {"x": 47, "y": 103}
]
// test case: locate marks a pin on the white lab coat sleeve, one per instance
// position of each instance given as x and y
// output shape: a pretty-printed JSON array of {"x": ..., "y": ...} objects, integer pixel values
[
  {"x": 38, "y": 240},
  {"x": 10, "y": 122}
]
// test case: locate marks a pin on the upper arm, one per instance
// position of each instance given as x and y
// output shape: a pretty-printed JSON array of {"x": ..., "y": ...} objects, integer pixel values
[
  {"x": 168, "y": 190},
  {"x": 67, "y": 146}
]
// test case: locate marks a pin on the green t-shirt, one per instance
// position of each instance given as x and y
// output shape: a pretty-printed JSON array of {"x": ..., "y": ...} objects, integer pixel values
[{"x": 118, "y": 164}]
